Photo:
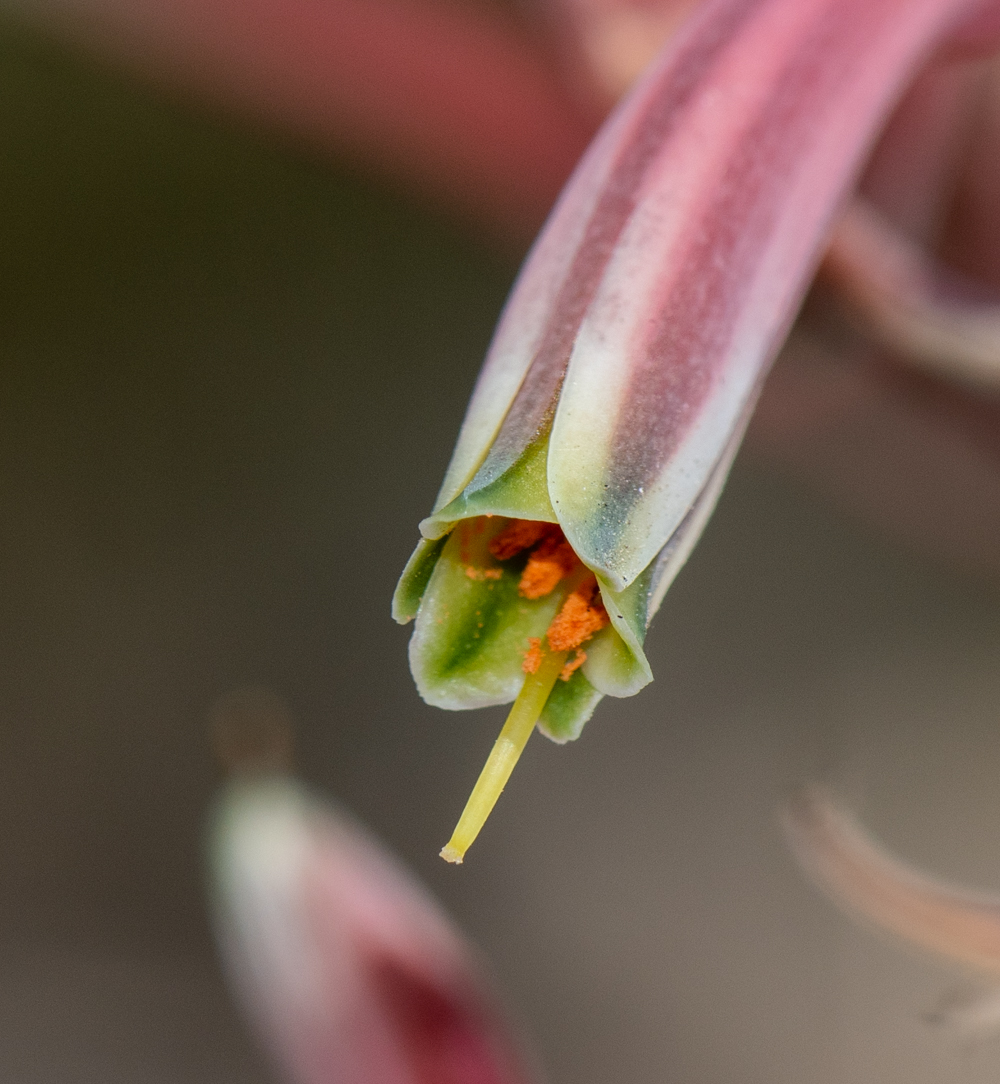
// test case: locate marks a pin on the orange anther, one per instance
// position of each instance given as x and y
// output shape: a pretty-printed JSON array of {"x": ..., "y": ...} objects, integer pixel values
[
  {"x": 582, "y": 615},
  {"x": 518, "y": 536},
  {"x": 553, "y": 560},
  {"x": 573, "y": 665},
  {"x": 533, "y": 656}
]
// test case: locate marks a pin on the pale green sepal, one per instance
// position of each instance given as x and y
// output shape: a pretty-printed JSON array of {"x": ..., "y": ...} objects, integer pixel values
[
  {"x": 570, "y": 704},
  {"x": 675, "y": 553},
  {"x": 412, "y": 584},
  {"x": 472, "y": 632},
  {"x": 615, "y": 514},
  {"x": 616, "y": 663},
  {"x": 520, "y": 493},
  {"x": 612, "y": 667},
  {"x": 527, "y": 314}
]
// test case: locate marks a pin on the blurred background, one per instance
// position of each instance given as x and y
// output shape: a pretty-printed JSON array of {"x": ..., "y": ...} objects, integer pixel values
[{"x": 231, "y": 377}]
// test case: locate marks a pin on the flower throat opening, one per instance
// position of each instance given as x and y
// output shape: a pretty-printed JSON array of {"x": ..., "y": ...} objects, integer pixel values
[{"x": 551, "y": 566}]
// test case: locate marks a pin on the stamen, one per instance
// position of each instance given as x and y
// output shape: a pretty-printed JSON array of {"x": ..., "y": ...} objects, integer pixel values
[
  {"x": 533, "y": 656},
  {"x": 520, "y": 535},
  {"x": 573, "y": 665},
  {"x": 551, "y": 562},
  {"x": 552, "y": 558},
  {"x": 506, "y": 751},
  {"x": 582, "y": 615}
]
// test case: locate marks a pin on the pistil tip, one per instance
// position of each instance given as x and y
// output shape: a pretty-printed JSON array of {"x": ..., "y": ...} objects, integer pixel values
[{"x": 452, "y": 854}]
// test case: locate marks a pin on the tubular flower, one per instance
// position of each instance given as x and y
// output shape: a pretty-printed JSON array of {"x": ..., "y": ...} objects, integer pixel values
[
  {"x": 631, "y": 352},
  {"x": 484, "y": 110}
]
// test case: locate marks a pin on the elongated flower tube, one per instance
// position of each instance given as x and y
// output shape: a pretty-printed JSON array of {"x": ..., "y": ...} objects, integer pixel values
[
  {"x": 632, "y": 349},
  {"x": 347, "y": 968}
]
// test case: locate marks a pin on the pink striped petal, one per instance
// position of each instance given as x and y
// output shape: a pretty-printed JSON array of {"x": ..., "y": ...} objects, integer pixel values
[
  {"x": 632, "y": 349},
  {"x": 673, "y": 264},
  {"x": 731, "y": 159}
]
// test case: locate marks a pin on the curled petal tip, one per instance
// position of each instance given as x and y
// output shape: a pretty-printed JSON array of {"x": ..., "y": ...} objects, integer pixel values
[
  {"x": 932, "y": 317},
  {"x": 856, "y": 873}
]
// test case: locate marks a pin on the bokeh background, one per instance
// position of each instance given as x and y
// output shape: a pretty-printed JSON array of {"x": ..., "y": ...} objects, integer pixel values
[{"x": 231, "y": 372}]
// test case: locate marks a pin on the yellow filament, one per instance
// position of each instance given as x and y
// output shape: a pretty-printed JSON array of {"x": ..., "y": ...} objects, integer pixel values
[{"x": 506, "y": 751}]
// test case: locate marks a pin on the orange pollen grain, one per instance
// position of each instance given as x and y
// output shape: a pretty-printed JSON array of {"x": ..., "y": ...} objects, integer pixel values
[
  {"x": 533, "y": 656},
  {"x": 573, "y": 665},
  {"x": 551, "y": 562},
  {"x": 483, "y": 573},
  {"x": 582, "y": 615},
  {"x": 520, "y": 535}
]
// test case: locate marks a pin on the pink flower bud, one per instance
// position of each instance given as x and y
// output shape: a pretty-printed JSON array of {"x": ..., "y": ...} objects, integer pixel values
[{"x": 348, "y": 969}]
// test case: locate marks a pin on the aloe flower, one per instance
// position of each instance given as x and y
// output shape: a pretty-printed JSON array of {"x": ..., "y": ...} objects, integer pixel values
[
  {"x": 349, "y": 970},
  {"x": 632, "y": 350},
  {"x": 635, "y": 344}
]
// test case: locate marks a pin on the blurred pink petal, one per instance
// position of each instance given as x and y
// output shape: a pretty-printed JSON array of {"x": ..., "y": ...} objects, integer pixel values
[
  {"x": 857, "y": 873},
  {"x": 933, "y": 318},
  {"x": 909, "y": 453},
  {"x": 452, "y": 98},
  {"x": 349, "y": 970},
  {"x": 609, "y": 43}
]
